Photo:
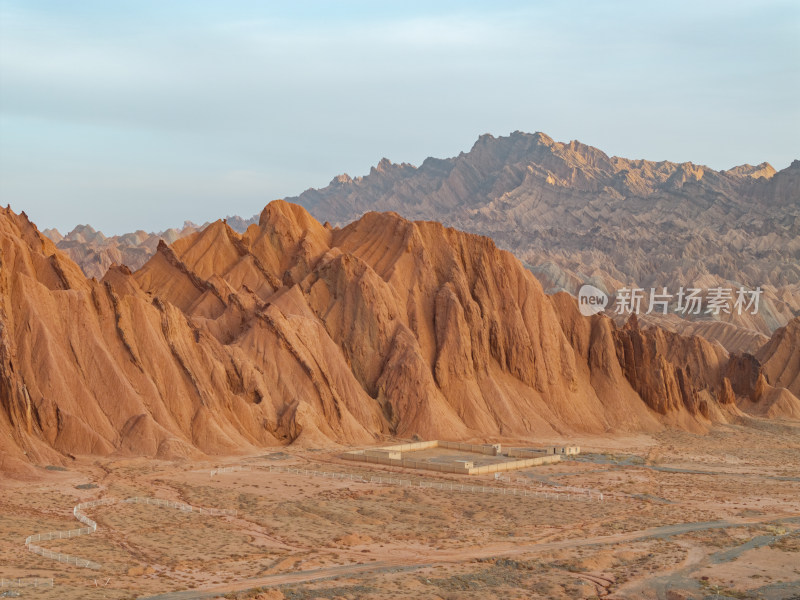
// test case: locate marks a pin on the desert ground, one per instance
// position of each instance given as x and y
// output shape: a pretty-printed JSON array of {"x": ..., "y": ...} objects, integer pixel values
[{"x": 682, "y": 516}]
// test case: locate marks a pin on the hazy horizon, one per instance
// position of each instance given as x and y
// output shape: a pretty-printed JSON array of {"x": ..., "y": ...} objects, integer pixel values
[{"x": 141, "y": 115}]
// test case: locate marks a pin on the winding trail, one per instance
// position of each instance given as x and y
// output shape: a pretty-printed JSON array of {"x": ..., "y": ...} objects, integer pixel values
[
  {"x": 683, "y": 576},
  {"x": 419, "y": 560}
]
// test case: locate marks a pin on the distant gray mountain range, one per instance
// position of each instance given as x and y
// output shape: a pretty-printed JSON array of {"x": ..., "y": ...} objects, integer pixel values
[{"x": 574, "y": 215}]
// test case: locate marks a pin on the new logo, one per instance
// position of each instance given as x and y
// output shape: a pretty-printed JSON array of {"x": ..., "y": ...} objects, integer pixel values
[{"x": 591, "y": 300}]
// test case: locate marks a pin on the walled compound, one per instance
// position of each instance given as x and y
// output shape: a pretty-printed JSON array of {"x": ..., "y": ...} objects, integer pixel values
[{"x": 402, "y": 455}]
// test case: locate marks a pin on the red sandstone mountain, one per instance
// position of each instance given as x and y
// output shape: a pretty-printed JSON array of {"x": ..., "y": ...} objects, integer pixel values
[
  {"x": 94, "y": 253},
  {"x": 298, "y": 332}
]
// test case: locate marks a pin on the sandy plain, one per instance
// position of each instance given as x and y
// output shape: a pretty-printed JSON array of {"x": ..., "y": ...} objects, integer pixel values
[{"x": 682, "y": 516}]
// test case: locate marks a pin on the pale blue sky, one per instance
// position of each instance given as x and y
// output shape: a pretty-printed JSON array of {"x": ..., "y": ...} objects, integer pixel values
[{"x": 138, "y": 115}]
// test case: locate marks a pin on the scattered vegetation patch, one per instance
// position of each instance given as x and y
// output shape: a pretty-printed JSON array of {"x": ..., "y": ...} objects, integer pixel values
[
  {"x": 351, "y": 591},
  {"x": 787, "y": 543}
]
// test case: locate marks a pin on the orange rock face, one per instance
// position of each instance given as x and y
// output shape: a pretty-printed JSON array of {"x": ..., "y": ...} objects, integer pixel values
[
  {"x": 94, "y": 253},
  {"x": 294, "y": 332},
  {"x": 781, "y": 357}
]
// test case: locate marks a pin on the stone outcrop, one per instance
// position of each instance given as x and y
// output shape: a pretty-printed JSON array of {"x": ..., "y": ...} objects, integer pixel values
[{"x": 94, "y": 253}]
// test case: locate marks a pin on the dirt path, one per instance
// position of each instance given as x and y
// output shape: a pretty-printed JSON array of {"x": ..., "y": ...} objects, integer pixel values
[
  {"x": 420, "y": 560},
  {"x": 683, "y": 576}
]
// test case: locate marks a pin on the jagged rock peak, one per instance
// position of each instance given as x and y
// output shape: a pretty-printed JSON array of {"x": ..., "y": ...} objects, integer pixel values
[
  {"x": 764, "y": 170},
  {"x": 343, "y": 179}
]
